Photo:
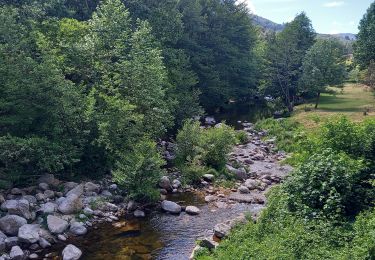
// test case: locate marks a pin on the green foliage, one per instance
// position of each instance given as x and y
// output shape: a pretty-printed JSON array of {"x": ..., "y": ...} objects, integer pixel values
[
  {"x": 217, "y": 143},
  {"x": 323, "y": 66},
  {"x": 328, "y": 185},
  {"x": 242, "y": 137},
  {"x": 199, "y": 149},
  {"x": 288, "y": 133},
  {"x": 220, "y": 40},
  {"x": 311, "y": 215},
  {"x": 279, "y": 234},
  {"x": 284, "y": 56},
  {"x": 22, "y": 159},
  {"x": 139, "y": 171},
  {"x": 365, "y": 46}
]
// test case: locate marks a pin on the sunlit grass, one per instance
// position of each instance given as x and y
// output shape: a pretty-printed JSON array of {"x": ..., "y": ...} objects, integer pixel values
[{"x": 352, "y": 101}]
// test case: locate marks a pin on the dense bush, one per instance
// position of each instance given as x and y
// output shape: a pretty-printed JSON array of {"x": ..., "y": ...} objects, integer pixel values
[
  {"x": 139, "y": 171},
  {"x": 329, "y": 185},
  {"x": 22, "y": 159},
  {"x": 200, "y": 149},
  {"x": 279, "y": 234}
]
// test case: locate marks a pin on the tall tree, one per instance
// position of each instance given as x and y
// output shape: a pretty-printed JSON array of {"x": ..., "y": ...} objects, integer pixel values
[
  {"x": 285, "y": 54},
  {"x": 323, "y": 66},
  {"x": 220, "y": 39},
  {"x": 365, "y": 44},
  {"x": 167, "y": 27}
]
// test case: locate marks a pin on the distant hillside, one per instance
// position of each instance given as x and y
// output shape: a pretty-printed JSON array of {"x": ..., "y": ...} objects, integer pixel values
[{"x": 267, "y": 24}]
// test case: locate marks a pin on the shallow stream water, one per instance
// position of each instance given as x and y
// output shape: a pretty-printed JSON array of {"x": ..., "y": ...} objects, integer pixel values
[{"x": 160, "y": 235}]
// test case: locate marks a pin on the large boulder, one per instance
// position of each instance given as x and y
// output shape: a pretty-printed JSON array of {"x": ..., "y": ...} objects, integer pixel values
[
  {"x": 71, "y": 204},
  {"x": 222, "y": 230},
  {"x": 18, "y": 207},
  {"x": 171, "y": 207},
  {"x": 78, "y": 229},
  {"x": 91, "y": 187},
  {"x": 56, "y": 225},
  {"x": 16, "y": 253},
  {"x": 78, "y": 191},
  {"x": 239, "y": 174},
  {"x": 71, "y": 252},
  {"x": 209, "y": 177},
  {"x": 243, "y": 190},
  {"x": 31, "y": 199},
  {"x": 10, "y": 224},
  {"x": 192, "y": 210},
  {"x": 165, "y": 183},
  {"x": 29, "y": 233},
  {"x": 49, "y": 179},
  {"x": 49, "y": 208},
  {"x": 252, "y": 184}
]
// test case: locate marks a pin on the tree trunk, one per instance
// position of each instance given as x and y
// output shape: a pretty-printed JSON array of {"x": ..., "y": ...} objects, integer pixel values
[{"x": 317, "y": 101}]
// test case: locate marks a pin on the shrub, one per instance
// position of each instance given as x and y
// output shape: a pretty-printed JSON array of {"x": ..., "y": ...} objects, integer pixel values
[
  {"x": 343, "y": 135},
  {"x": 140, "y": 170},
  {"x": 217, "y": 143},
  {"x": 329, "y": 185},
  {"x": 25, "y": 159},
  {"x": 242, "y": 137},
  {"x": 189, "y": 142},
  {"x": 199, "y": 150}
]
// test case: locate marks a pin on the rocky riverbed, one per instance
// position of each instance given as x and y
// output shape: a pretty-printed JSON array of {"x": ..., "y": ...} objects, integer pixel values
[{"x": 52, "y": 219}]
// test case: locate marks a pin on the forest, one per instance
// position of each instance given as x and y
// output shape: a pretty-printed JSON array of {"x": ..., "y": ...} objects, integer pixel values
[{"x": 92, "y": 88}]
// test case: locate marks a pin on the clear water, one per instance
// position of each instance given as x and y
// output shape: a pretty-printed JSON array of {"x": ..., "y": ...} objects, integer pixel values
[{"x": 160, "y": 235}]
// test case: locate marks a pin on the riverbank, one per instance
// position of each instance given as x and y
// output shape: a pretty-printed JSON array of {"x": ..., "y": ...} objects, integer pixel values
[{"x": 59, "y": 213}]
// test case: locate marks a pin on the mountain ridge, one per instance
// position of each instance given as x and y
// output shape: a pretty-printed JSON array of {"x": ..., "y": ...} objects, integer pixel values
[{"x": 269, "y": 25}]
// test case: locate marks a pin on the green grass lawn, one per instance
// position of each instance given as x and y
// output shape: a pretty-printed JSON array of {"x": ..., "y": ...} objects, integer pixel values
[{"x": 352, "y": 101}]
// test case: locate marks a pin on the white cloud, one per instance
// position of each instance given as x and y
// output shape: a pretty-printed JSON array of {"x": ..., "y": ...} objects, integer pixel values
[
  {"x": 334, "y": 4},
  {"x": 251, "y": 6}
]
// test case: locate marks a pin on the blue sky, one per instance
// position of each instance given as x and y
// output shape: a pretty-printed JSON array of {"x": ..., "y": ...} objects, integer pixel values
[{"x": 327, "y": 16}]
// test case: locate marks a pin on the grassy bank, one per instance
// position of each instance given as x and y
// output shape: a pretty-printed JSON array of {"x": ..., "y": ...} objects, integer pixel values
[{"x": 352, "y": 101}]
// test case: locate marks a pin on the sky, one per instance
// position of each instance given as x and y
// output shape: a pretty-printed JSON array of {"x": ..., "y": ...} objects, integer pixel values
[{"x": 327, "y": 16}]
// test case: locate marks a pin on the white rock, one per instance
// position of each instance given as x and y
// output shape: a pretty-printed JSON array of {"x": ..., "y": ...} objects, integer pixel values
[
  {"x": 165, "y": 183},
  {"x": 78, "y": 191},
  {"x": 61, "y": 237},
  {"x": 192, "y": 210},
  {"x": 56, "y": 225},
  {"x": 17, "y": 207},
  {"x": 16, "y": 253},
  {"x": 43, "y": 186},
  {"x": 10, "y": 224},
  {"x": 71, "y": 252},
  {"x": 78, "y": 229},
  {"x": 171, "y": 207},
  {"x": 29, "y": 233},
  {"x": 71, "y": 204},
  {"x": 221, "y": 230},
  {"x": 44, "y": 243},
  {"x": 139, "y": 214},
  {"x": 49, "y": 208}
]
